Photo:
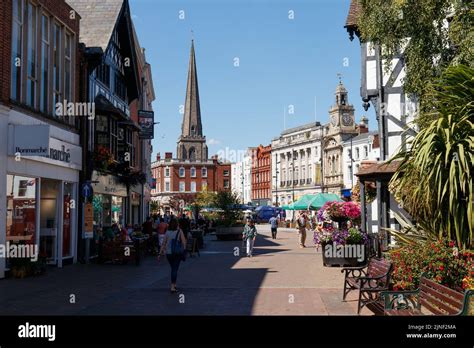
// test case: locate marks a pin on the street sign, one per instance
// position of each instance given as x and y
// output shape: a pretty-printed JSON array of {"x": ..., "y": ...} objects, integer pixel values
[
  {"x": 88, "y": 220},
  {"x": 86, "y": 190}
]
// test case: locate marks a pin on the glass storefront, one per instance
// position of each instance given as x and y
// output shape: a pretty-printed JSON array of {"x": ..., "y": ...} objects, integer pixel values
[
  {"x": 49, "y": 218},
  {"x": 67, "y": 218},
  {"x": 21, "y": 210}
]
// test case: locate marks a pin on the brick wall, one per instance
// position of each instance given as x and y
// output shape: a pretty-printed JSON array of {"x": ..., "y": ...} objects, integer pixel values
[
  {"x": 59, "y": 9},
  {"x": 5, "y": 49}
]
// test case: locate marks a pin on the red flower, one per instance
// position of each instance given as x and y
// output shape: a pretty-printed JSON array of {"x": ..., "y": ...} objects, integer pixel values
[
  {"x": 441, "y": 268},
  {"x": 451, "y": 244}
]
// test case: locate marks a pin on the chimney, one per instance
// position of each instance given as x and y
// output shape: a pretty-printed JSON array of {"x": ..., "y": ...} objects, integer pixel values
[
  {"x": 364, "y": 125},
  {"x": 158, "y": 157},
  {"x": 168, "y": 155}
]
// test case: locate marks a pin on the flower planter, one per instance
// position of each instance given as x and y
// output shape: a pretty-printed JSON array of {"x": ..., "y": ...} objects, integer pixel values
[
  {"x": 340, "y": 261},
  {"x": 229, "y": 233}
]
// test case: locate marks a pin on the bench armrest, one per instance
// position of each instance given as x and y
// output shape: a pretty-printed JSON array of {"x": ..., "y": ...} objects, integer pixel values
[
  {"x": 468, "y": 298},
  {"x": 354, "y": 272},
  {"x": 371, "y": 280},
  {"x": 401, "y": 299}
]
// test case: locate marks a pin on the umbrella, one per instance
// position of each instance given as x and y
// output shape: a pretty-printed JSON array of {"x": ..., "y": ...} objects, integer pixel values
[{"x": 320, "y": 199}]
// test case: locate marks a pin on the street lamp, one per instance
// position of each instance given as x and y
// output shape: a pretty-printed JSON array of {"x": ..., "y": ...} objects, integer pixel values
[
  {"x": 276, "y": 179},
  {"x": 318, "y": 124}
]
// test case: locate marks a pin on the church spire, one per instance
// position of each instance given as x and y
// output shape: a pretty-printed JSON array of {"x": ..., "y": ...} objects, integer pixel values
[
  {"x": 192, "y": 143},
  {"x": 192, "y": 126}
]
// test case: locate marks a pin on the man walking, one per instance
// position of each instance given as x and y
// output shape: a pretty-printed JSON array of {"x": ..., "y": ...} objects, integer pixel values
[
  {"x": 302, "y": 229},
  {"x": 274, "y": 225},
  {"x": 249, "y": 235}
]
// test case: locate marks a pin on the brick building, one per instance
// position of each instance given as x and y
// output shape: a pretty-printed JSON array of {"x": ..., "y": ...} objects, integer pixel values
[
  {"x": 181, "y": 178},
  {"x": 262, "y": 175},
  {"x": 40, "y": 150}
]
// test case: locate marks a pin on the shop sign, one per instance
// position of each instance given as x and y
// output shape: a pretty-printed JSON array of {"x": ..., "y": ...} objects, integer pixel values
[
  {"x": 108, "y": 185},
  {"x": 35, "y": 143},
  {"x": 88, "y": 221},
  {"x": 146, "y": 120}
]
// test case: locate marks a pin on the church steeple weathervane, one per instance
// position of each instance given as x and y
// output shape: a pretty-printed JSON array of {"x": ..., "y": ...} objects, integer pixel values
[{"x": 192, "y": 143}]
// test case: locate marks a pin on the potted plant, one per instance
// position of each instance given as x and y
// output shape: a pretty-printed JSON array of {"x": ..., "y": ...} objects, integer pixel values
[{"x": 341, "y": 247}]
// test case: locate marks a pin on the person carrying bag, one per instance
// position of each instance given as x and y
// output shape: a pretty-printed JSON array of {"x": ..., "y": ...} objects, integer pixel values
[{"x": 174, "y": 248}]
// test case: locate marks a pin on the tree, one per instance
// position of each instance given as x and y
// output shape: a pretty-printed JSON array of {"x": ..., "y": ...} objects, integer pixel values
[
  {"x": 439, "y": 165},
  {"x": 226, "y": 201},
  {"x": 440, "y": 35},
  {"x": 154, "y": 207}
]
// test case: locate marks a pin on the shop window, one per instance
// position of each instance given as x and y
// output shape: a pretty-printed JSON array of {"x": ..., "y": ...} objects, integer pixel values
[{"x": 67, "y": 219}]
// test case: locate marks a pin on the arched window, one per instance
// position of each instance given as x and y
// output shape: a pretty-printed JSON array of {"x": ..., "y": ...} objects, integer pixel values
[
  {"x": 192, "y": 154},
  {"x": 193, "y": 131},
  {"x": 183, "y": 152},
  {"x": 182, "y": 172}
]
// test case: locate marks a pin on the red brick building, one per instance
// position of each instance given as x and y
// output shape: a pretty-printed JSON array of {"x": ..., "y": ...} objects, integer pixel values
[
  {"x": 262, "y": 175},
  {"x": 181, "y": 178}
]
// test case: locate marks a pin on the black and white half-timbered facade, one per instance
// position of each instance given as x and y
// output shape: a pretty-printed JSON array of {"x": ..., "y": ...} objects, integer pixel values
[
  {"x": 382, "y": 87},
  {"x": 112, "y": 136}
]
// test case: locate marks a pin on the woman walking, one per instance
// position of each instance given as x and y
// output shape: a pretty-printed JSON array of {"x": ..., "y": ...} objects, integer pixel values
[
  {"x": 174, "y": 245},
  {"x": 249, "y": 235}
]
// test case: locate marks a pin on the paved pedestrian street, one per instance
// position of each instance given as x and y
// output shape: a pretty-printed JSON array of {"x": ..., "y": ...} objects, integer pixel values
[{"x": 281, "y": 279}]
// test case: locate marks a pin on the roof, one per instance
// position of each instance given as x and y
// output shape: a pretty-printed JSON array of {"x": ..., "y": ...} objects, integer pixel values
[
  {"x": 98, "y": 18},
  {"x": 299, "y": 128},
  {"x": 353, "y": 15},
  {"x": 363, "y": 136},
  {"x": 378, "y": 169}
]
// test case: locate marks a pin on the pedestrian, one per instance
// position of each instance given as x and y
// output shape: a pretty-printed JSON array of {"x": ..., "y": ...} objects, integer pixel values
[
  {"x": 302, "y": 229},
  {"x": 249, "y": 235},
  {"x": 173, "y": 246},
  {"x": 274, "y": 225},
  {"x": 161, "y": 229}
]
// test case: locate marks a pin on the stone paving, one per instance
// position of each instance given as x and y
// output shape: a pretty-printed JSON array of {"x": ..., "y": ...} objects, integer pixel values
[{"x": 281, "y": 279}]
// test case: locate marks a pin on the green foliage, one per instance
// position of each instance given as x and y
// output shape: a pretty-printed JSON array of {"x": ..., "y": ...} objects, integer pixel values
[
  {"x": 433, "y": 45},
  {"x": 225, "y": 201},
  {"x": 154, "y": 207},
  {"x": 439, "y": 163},
  {"x": 439, "y": 260}
]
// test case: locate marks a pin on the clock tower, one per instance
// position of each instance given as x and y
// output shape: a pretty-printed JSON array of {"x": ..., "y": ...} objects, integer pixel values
[
  {"x": 342, "y": 113},
  {"x": 341, "y": 127}
]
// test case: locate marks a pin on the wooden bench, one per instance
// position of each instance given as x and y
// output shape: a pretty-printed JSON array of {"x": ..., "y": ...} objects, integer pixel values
[
  {"x": 370, "y": 280},
  {"x": 430, "y": 298}
]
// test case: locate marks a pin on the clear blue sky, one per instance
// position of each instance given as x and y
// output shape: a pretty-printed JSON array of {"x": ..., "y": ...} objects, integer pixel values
[{"x": 282, "y": 62}]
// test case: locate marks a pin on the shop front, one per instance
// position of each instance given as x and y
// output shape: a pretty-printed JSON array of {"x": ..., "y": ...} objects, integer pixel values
[
  {"x": 38, "y": 188},
  {"x": 109, "y": 206}
]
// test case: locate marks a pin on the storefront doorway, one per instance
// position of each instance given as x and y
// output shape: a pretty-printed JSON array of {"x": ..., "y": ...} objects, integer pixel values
[{"x": 49, "y": 219}]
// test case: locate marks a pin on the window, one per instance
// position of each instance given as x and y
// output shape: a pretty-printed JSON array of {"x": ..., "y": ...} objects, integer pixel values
[
  {"x": 193, "y": 186},
  {"x": 167, "y": 172},
  {"x": 204, "y": 186},
  {"x": 68, "y": 67},
  {"x": 193, "y": 172},
  {"x": 113, "y": 137},
  {"x": 120, "y": 89},
  {"x": 44, "y": 64},
  {"x": 366, "y": 151},
  {"x": 226, "y": 173},
  {"x": 56, "y": 64},
  {"x": 17, "y": 43},
  {"x": 204, "y": 172},
  {"x": 31, "y": 57},
  {"x": 167, "y": 187},
  {"x": 357, "y": 153},
  {"x": 182, "y": 186},
  {"x": 226, "y": 183},
  {"x": 103, "y": 74},
  {"x": 182, "y": 172},
  {"x": 349, "y": 154}
]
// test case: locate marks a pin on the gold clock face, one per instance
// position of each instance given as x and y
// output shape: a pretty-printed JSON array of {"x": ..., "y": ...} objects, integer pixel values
[{"x": 346, "y": 119}]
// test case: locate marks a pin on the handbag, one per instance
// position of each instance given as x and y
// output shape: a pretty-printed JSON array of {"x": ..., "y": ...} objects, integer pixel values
[{"x": 177, "y": 248}]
